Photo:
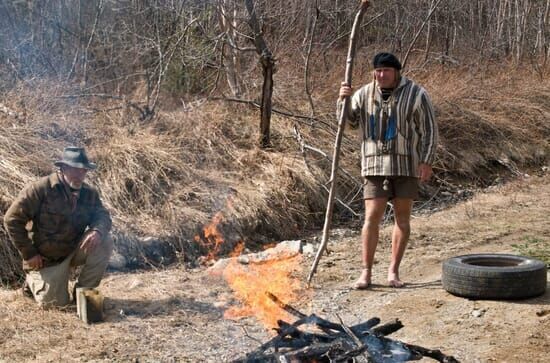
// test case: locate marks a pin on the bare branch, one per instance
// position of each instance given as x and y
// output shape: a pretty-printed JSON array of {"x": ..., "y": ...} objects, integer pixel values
[
  {"x": 308, "y": 54},
  {"x": 405, "y": 58}
]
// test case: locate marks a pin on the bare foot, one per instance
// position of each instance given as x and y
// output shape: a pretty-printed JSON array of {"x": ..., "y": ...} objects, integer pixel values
[
  {"x": 363, "y": 282},
  {"x": 394, "y": 281}
]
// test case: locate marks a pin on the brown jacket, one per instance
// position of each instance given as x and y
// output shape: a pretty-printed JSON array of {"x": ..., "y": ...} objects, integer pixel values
[{"x": 56, "y": 226}]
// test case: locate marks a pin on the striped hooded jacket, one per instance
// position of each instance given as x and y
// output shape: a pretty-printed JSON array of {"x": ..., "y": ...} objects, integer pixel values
[{"x": 397, "y": 134}]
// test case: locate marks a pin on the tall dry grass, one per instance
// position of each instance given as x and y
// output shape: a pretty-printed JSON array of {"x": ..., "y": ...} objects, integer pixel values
[
  {"x": 165, "y": 178},
  {"x": 491, "y": 119}
]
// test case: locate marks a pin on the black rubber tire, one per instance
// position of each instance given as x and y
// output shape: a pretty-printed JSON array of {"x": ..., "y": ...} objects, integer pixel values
[{"x": 494, "y": 276}]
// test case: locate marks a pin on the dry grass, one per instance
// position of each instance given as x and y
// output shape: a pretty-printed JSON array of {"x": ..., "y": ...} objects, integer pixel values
[
  {"x": 22, "y": 155},
  {"x": 168, "y": 176},
  {"x": 489, "y": 119}
]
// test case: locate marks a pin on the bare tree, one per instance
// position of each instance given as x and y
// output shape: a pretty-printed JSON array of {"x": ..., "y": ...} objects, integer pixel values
[
  {"x": 307, "y": 61},
  {"x": 112, "y": 48},
  {"x": 268, "y": 67},
  {"x": 230, "y": 56}
]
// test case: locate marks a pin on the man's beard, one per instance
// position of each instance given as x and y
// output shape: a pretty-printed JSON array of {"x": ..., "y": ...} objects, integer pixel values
[{"x": 73, "y": 185}]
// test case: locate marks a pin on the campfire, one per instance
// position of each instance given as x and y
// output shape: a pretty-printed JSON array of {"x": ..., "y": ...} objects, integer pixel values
[
  {"x": 252, "y": 276},
  {"x": 266, "y": 284}
]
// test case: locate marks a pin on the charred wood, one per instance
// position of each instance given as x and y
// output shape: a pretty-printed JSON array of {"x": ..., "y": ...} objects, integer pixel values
[
  {"x": 336, "y": 342},
  {"x": 388, "y": 328}
]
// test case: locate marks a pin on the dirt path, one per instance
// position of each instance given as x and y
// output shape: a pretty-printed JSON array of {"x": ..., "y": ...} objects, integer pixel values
[
  {"x": 470, "y": 330},
  {"x": 177, "y": 314}
]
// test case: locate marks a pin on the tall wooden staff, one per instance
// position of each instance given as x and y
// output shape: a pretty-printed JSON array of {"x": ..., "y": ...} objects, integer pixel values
[{"x": 338, "y": 142}]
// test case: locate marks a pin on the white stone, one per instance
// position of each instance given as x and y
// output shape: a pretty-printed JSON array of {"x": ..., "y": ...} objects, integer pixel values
[
  {"x": 291, "y": 246},
  {"x": 478, "y": 313},
  {"x": 308, "y": 249},
  {"x": 220, "y": 265},
  {"x": 283, "y": 249}
]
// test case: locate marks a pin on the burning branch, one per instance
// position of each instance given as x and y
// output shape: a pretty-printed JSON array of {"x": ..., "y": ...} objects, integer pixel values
[{"x": 284, "y": 306}]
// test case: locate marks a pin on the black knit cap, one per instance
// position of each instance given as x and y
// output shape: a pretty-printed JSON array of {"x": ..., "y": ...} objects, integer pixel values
[{"x": 386, "y": 60}]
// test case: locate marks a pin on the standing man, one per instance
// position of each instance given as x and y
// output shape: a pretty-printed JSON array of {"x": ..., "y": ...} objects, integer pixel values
[
  {"x": 59, "y": 222},
  {"x": 399, "y": 139}
]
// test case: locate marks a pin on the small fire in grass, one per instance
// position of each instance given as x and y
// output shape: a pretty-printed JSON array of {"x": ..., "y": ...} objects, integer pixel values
[
  {"x": 212, "y": 238},
  {"x": 251, "y": 284}
]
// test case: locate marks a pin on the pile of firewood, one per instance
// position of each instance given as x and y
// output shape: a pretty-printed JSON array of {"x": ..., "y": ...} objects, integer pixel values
[{"x": 336, "y": 342}]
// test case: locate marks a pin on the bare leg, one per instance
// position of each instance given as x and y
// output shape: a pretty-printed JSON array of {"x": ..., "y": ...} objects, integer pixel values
[
  {"x": 374, "y": 211},
  {"x": 401, "y": 230}
]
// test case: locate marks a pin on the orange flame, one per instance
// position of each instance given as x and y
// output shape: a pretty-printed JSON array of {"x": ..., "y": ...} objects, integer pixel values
[
  {"x": 252, "y": 282},
  {"x": 238, "y": 249},
  {"x": 213, "y": 238}
]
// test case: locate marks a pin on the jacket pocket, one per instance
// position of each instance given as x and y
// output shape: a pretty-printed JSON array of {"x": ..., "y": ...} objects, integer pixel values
[
  {"x": 401, "y": 144},
  {"x": 370, "y": 147},
  {"x": 50, "y": 220}
]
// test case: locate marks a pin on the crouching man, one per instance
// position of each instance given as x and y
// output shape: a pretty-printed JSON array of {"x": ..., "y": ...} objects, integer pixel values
[{"x": 57, "y": 223}]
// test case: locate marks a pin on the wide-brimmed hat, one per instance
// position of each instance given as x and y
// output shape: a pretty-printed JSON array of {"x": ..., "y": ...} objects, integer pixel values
[{"x": 75, "y": 157}]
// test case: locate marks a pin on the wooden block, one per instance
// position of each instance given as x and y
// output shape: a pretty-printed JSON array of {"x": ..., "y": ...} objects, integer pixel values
[{"x": 89, "y": 305}]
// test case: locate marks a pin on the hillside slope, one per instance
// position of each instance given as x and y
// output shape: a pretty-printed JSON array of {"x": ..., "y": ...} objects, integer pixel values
[{"x": 165, "y": 178}]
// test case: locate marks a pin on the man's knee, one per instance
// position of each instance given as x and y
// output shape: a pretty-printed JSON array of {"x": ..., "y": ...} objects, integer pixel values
[
  {"x": 403, "y": 220},
  {"x": 374, "y": 210},
  {"x": 49, "y": 285},
  {"x": 370, "y": 224},
  {"x": 52, "y": 297},
  {"x": 96, "y": 264},
  {"x": 403, "y": 225},
  {"x": 402, "y": 213},
  {"x": 100, "y": 254},
  {"x": 103, "y": 251},
  {"x": 106, "y": 245}
]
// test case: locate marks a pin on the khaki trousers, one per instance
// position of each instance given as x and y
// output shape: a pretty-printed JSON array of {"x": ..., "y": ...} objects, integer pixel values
[{"x": 50, "y": 285}]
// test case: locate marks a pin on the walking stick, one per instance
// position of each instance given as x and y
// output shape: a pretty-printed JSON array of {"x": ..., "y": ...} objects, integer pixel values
[{"x": 338, "y": 142}]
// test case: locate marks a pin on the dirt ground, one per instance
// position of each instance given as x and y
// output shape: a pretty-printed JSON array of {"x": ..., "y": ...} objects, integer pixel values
[{"x": 176, "y": 314}]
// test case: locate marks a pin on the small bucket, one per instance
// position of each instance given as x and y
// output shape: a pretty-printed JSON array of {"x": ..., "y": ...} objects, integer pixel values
[{"x": 89, "y": 305}]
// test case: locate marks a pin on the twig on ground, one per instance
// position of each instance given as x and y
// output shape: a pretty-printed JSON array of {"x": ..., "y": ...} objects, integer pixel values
[{"x": 250, "y": 336}]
